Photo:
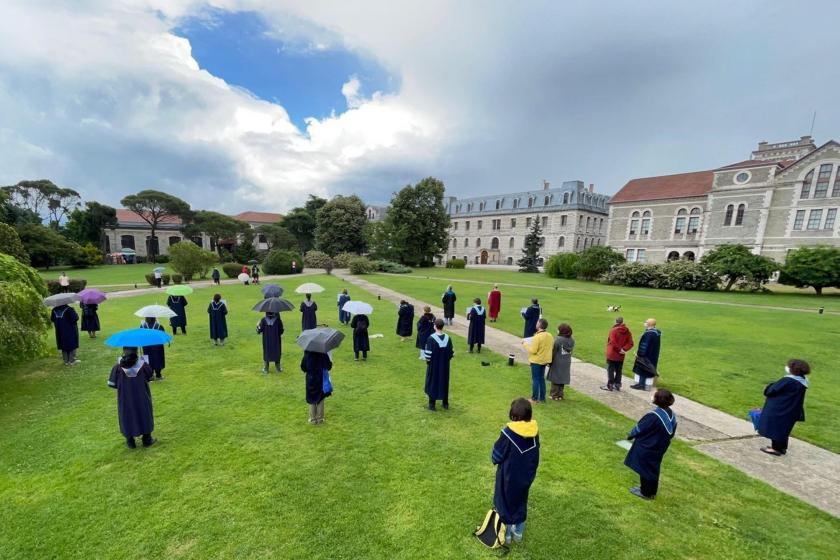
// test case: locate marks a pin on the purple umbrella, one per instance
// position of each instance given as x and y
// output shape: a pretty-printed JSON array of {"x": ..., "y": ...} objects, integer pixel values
[{"x": 90, "y": 296}]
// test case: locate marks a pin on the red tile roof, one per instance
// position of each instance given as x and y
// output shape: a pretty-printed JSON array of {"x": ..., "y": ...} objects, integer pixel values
[
  {"x": 681, "y": 185},
  {"x": 259, "y": 217},
  {"x": 127, "y": 216}
]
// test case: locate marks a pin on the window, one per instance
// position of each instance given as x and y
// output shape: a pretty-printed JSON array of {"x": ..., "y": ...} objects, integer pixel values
[
  {"x": 547, "y": 200},
  {"x": 565, "y": 198},
  {"x": 645, "y": 229},
  {"x": 454, "y": 243},
  {"x": 527, "y": 222},
  {"x": 585, "y": 244},
  {"x": 545, "y": 222},
  {"x": 127, "y": 241},
  {"x": 510, "y": 243},
  {"x": 478, "y": 242},
  {"x": 814, "y": 219},
  {"x": 742, "y": 177},
  {"x": 673, "y": 256},
  {"x": 630, "y": 255},
  {"x": 542, "y": 241},
  {"x": 479, "y": 225},
  {"x": 688, "y": 256},
  {"x": 530, "y": 202},
  {"x": 262, "y": 239},
  {"x": 455, "y": 226},
  {"x": 829, "y": 218},
  {"x": 174, "y": 240},
  {"x": 561, "y": 242},
  {"x": 821, "y": 187},
  {"x": 497, "y": 225},
  {"x": 481, "y": 206},
  {"x": 799, "y": 220},
  {"x": 835, "y": 191},
  {"x": 563, "y": 218},
  {"x": 477, "y": 261},
  {"x": 580, "y": 221},
  {"x": 601, "y": 225},
  {"x": 577, "y": 243},
  {"x": 466, "y": 244},
  {"x": 588, "y": 219},
  {"x": 467, "y": 225},
  {"x": 494, "y": 244},
  {"x": 739, "y": 217},
  {"x": 498, "y": 204},
  {"x": 727, "y": 219},
  {"x": 516, "y": 203},
  {"x": 694, "y": 220},
  {"x": 197, "y": 240},
  {"x": 512, "y": 223},
  {"x": 806, "y": 184},
  {"x": 634, "y": 223},
  {"x": 152, "y": 244},
  {"x": 640, "y": 256},
  {"x": 510, "y": 261}
]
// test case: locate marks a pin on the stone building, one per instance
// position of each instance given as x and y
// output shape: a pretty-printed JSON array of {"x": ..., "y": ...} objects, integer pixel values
[
  {"x": 491, "y": 229},
  {"x": 376, "y": 213},
  {"x": 784, "y": 196}
]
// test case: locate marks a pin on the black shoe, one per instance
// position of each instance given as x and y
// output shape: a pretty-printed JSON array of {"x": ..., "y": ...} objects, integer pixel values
[
  {"x": 606, "y": 387},
  {"x": 445, "y": 406},
  {"x": 637, "y": 491},
  {"x": 638, "y": 387},
  {"x": 616, "y": 387},
  {"x": 432, "y": 408},
  {"x": 131, "y": 443},
  {"x": 149, "y": 443}
]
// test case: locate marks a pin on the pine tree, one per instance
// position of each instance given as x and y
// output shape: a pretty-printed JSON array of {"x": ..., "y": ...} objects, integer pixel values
[{"x": 531, "y": 250}]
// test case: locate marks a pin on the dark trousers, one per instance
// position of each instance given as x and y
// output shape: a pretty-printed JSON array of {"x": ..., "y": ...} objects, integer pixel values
[
  {"x": 649, "y": 486},
  {"x": 445, "y": 403},
  {"x": 557, "y": 390},
  {"x": 614, "y": 372},
  {"x": 159, "y": 282},
  {"x": 364, "y": 355},
  {"x": 175, "y": 330},
  {"x": 538, "y": 382},
  {"x": 158, "y": 373},
  {"x": 145, "y": 438},
  {"x": 68, "y": 357},
  {"x": 479, "y": 348},
  {"x": 779, "y": 445}
]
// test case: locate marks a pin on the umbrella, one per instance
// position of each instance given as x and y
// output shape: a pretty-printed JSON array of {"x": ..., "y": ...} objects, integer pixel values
[
  {"x": 128, "y": 251},
  {"x": 252, "y": 261},
  {"x": 91, "y": 296},
  {"x": 309, "y": 288},
  {"x": 322, "y": 339},
  {"x": 358, "y": 308},
  {"x": 60, "y": 299},
  {"x": 159, "y": 269},
  {"x": 138, "y": 337},
  {"x": 274, "y": 305},
  {"x": 272, "y": 290},
  {"x": 243, "y": 277},
  {"x": 157, "y": 311},
  {"x": 179, "y": 290}
]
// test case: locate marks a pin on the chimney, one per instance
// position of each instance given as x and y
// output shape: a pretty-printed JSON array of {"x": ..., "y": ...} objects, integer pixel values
[
  {"x": 591, "y": 187},
  {"x": 545, "y": 185}
]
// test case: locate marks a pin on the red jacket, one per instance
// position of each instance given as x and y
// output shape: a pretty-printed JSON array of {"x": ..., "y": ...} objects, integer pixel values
[{"x": 620, "y": 338}]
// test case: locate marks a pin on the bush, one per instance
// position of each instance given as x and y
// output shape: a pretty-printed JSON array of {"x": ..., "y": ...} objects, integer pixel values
[
  {"x": 164, "y": 259},
  {"x": 319, "y": 259},
  {"x": 177, "y": 278},
  {"x": 24, "y": 320},
  {"x": 86, "y": 256},
  {"x": 596, "y": 261},
  {"x": 12, "y": 270},
  {"x": 188, "y": 259},
  {"x": 675, "y": 275},
  {"x": 635, "y": 275},
  {"x": 11, "y": 244},
  {"x": 392, "y": 267},
  {"x": 280, "y": 262},
  {"x": 76, "y": 285},
  {"x": 563, "y": 265},
  {"x": 140, "y": 259},
  {"x": 361, "y": 265},
  {"x": 232, "y": 270},
  {"x": 456, "y": 263},
  {"x": 165, "y": 279},
  {"x": 342, "y": 260},
  {"x": 817, "y": 266}
]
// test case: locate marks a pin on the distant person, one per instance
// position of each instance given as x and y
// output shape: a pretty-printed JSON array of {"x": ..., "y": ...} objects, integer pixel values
[
  {"x": 308, "y": 308},
  {"x": 64, "y": 283},
  {"x": 313, "y": 365},
  {"x": 560, "y": 370},
  {"x": 516, "y": 455},
  {"x": 539, "y": 349},
  {"x": 294, "y": 267},
  {"x": 217, "y": 278},
  {"x": 178, "y": 304},
  {"x": 651, "y": 438},
  {"x": 405, "y": 320},
  {"x": 90, "y": 319},
  {"x": 784, "y": 406},
  {"x": 66, "y": 322},
  {"x": 158, "y": 278},
  {"x": 361, "y": 342},
  {"x": 448, "y": 301},
  {"x": 494, "y": 303},
  {"x": 647, "y": 356},
  {"x": 154, "y": 355},
  {"x": 255, "y": 274},
  {"x": 343, "y": 316},
  {"x": 425, "y": 328},
  {"x": 130, "y": 377},
  {"x": 477, "y": 316},
  {"x": 246, "y": 270},
  {"x": 438, "y": 353},
  {"x": 271, "y": 329},
  {"x": 531, "y": 314},
  {"x": 217, "y": 311},
  {"x": 619, "y": 342}
]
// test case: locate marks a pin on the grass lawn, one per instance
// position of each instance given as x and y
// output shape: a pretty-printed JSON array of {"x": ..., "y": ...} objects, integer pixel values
[
  {"x": 119, "y": 276},
  {"x": 722, "y": 356},
  {"x": 238, "y": 473}
]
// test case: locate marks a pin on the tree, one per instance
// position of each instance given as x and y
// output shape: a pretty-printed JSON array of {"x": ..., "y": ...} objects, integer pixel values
[
  {"x": 245, "y": 250},
  {"x": 11, "y": 244},
  {"x": 301, "y": 224},
  {"x": 85, "y": 256},
  {"x": 43, "y": 195},
  {"x": 189, "y": 259},
  {"x": 736, "y": 263},
  {"x": 416, "y": 226},
  {"x": 155, "y": 207},
  {"x": 24, "y": 320},
  {"x": 319, "y": 259},
  {"x": 46, "y": 247},
  {"x": 217, "y": 226},
  {"x": 531, "y": 249},
  {"x": 341, "y": 224},
  {"x": 817, "y": 267},
  {"x": 379, "y": 240},
  {"x": 88, "y": 225},
  {"x": 314, "y": 204},
  {"x": 14, "y": 215},
  {"x": 562, "y": 265},
  {"x": 596, "y": 261},
  {"x": 278, "y": 237}
]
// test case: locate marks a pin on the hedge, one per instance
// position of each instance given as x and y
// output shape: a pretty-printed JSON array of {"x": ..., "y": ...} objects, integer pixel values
[
  {"x": 361, "y": 265},
  {"x": 165, "y": 279},
  {"x": 24, "y": 320},
  {"x": 563, "y": 265},
  {"x": 232, "y": 270},
  {"x": 342, "y": 260},
  {"x": 76, "y": 285},
  {"x": 392, "y": 267},
  {"x": 456, "y": 263},
  {"x": 280, "y": 262},
  {"x": 674, "y": 275}
]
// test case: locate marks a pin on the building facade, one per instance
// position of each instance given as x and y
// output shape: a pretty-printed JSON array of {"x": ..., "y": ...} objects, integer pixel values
[
  {"x": 492, "y": 229},
  {"x": 785, "y": 196}
]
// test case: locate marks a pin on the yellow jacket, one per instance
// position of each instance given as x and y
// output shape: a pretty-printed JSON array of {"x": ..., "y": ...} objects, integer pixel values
[{"x": 539, "y": 350}]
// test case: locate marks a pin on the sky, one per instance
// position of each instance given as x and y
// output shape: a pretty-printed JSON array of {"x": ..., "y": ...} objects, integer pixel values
[{"x": 255, "y": 104}]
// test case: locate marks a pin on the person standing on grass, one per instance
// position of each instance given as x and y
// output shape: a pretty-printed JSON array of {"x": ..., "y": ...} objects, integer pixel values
[
  {"x": 647, "y": 356},
  {"x": 425, "y": 328},
  {"x": 158, "y": 278},
  {"x": 308, "y": 317},
  {"x": 271, "y": 329},
  {"x": 154, "y": 355},
  {"x": 90, "y": 319},
  {"x": 560, "y": 370},
  {"x": 64, "y": 282},
  {"x": 405, "y": 320},
  {"x": 217, "y": 278},
  {"x": 531, "y": 315},
  {"x": 784, "y": 406},
  {"x": 313, "y": 365},
  {"x": 130, "y": 377},
  {"x": 66, "y": 322},
  {"x": 343, "y": 316},
  {"x": 516, "y": 455},
  {"x": 294, "y": 267},
  {"x": 651, "y": 438},
  {"x": 477, "y": 316},
  {"x": 494, "y": 303},
  {"x": 255, "y": 274},
  {"x": 539, "y": 356},
  {"x": 438, "y": 353},
  {"x": 619, "y": 342},
  {"x": 178, "y": 304},
  {"x": 217, "y": 311},
  {"x": 448, "y": 301},
  {"x": 361, "y": 343}
]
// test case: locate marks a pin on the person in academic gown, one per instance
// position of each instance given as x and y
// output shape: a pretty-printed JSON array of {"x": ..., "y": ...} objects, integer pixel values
[
  {"x": 217, "y": 310},
  {"x": 784, "y": 406},
  {"x": 651, "y": 438},
  {"x": 647, "y": 356},
  {"x": 313, "y": 365},
  {"x": 448, "y": 301},
  {"x": 361, "y": 343},
  {"x": 531, "y": 316},
  {"x": 90, "y": 319},
  {"x": 477, "y": 315},
  {"x": 178, "y": 305},
  {"x": 307, "y": 309},
  {"x": 343, "y": 316},
  {"x": 66, "y": 322},
  {"x": 156, "y": 354},
  {"x": 255, "y": 274},
  {"x": 405, "y": 320},
  {"x": 130, "y": 377},
  {"x": 438, "y": 353},
  {"x": 271, "y": 328},
  {"x": 216, "y": 276},
  {"x": 494, "y": 303},
  {"x": 516, "y": 455},
  {"x": 425, "y": 327}
]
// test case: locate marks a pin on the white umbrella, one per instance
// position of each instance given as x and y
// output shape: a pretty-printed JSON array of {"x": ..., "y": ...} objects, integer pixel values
[
  {"x": 157, "y": 311},
  {"x": 357, "y": 307},
  {"x": 309, "y": 288},
  {"x": 244, "y": 278}
]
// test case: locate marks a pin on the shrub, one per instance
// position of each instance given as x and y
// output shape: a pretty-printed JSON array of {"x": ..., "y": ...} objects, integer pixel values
[
  {"x": 177, "y": 278},
  {"x": 392, "y": 267},
  {"x": 563, "y": 265},
  {"x": 817, "y": 267},
  {"x": 685, "y": 275},
  {"x": 456, "y": 263},
  {"x": 232, "y": 270},
  {"x": 11, "y": 244},
  {"x": 150, "y": 278},
  {"x": 361, "y": 265},
  {"x": 737, "y": 264},
  {"x": 12, "y": 270},
  {"x": 342, "y": 260},
  {"x": 226, "y": 256},
  {"x": 633, "y": 274},
  {"x": 319, "y": 259},
  {"x": 188, "y": 259},
  {"x": 24, "y": 320},
  {"x": 76, "y": 285},
  {"x": 140, "y": 259},
  {"x": 164, "y": 259},
  {"x": 597, "y": 261},
  {"x": 280, "y": 262},
  {"x": 86, "y": 256}
]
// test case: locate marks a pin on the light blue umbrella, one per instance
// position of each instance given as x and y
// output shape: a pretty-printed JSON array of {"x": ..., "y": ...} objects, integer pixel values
[
  {"x": 159, "y": 269},
  {"x": 138, "y": 337}
]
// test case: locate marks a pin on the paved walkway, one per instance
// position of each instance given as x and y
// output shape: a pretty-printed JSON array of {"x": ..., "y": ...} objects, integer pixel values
[{"x": 807, "y": 472}]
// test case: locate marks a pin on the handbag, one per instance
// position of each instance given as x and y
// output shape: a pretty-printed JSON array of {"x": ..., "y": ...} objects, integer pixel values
[
  {"x": 328, "y": 386},
  {"x": 491, "y": 532}
]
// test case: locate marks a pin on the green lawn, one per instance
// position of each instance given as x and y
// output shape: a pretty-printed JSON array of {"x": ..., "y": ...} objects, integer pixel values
[
  {"x": 118, "y": 276},
  {"x": 722, "y": 356},
  {"x": 238, "y": 473}
]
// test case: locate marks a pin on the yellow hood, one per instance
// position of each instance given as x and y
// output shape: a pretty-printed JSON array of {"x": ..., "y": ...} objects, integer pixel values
[{"x": 524, "y": 429}]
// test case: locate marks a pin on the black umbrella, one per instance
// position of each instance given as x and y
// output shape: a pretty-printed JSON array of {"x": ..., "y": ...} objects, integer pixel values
[
  {"x": 274, "y": 305},
  {"x": 272, "y": 290},
  {"x": 322, "y": 339}
]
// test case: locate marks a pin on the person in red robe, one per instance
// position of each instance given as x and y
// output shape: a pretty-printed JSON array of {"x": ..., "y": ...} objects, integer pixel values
[{"x": 494, "y": 302}]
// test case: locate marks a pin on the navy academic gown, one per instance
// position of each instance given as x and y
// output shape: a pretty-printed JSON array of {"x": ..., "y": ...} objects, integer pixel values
[
  {"x": 784, "y": 407},
  {"x": 343, "y": 316},
  {"x": 155, "y": 354},
  {"x": 215, "y": 275},
  {"x": 271, "y": 341},
  {"x": 360, "y": 324},
  {"x": 308, "y": 318},
  {"x": 477, "y": 317},
  {"x": 651, "y": 438},
  {"x": 405, "y": 320},
  {"x": 517, "y": 458},
  {"x": 218, "y": 321},
  {"x": 438, "y": 352},
  {"x": 448, "y": 301},
  {"x": 177, "y": 304},
  {"x": 66, "y": 322},
  {"x": 425, "y": 327},
  {"x": 313, "y": 365},
  {"x": 649, "y": 350},
  {"x": 134, "y": 399},
  {"x": 90, "y": 318},
  {"x": 531, "y": 315}
]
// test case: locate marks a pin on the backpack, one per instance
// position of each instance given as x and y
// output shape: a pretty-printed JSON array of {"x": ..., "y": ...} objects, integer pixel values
[{"x": 492, "y": 531}]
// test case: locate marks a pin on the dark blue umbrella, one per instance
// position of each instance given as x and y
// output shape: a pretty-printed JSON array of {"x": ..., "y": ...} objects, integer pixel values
[
  {"x": 138, "y": 337},
  {"x": 272, "y": 290}
]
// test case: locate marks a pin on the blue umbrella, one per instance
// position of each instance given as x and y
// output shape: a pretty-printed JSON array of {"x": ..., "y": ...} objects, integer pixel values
[
  {"x": 138, "y": 337},
  {"x": 159, "y": 269}
]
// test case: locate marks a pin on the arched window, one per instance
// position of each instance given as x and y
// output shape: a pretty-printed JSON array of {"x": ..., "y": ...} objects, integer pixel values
[
  {"x": 494, "y": 244},
  {"x": 174, "y": 240},
  {"x": 510, "y": 243},
  {"x": 673, "y": 256},
  {"x": 806, "y": 185},
  {"x": 152, "y": 245},
  {"x": 561, "y": 242},
  {"x": 688, "y": 255},
  {"x": 197, "y": 240},
  {"x": 466, "y": 242},
  {"x": 634, "y": 224},
  {"x": 694, "y": 220},
  {"x": 727, "y": 218},
  {"x": 454, "y": 243},
  {"x": 645, "y": 229},
  {"x": 821, "y": 188},
  {"x": 739, "y": 217},
  {"x": 585, "y": 244},
  {"x": 835, "y": 190},
  {"x": 679, "y": 223},
  {"x": 478, "y": 242},
  {"x": 577, "y": 243},
  {"x": 127, "y": 242}
]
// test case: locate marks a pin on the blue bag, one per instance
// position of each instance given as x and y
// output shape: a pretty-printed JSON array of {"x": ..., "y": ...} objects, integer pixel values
[
  {"x": 328, "y": 387},
  {"x": 754, "y": 415}
]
